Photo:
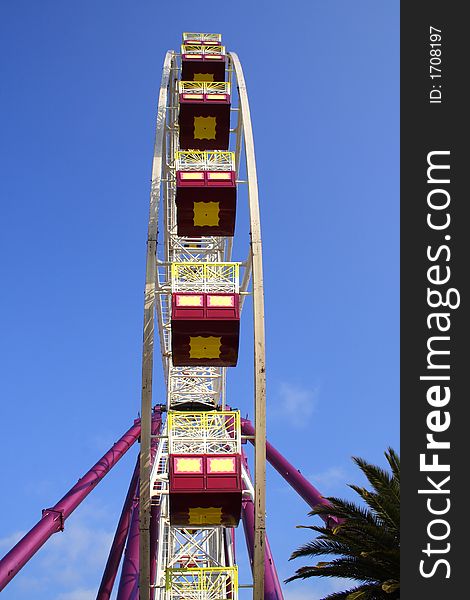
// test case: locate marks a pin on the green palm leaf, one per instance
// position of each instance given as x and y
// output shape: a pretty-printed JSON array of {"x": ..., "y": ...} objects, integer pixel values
[{"x": 365, "y": 546}]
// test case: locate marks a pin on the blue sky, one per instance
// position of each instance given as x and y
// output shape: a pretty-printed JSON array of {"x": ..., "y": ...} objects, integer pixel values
[{"x": 78, "y": 101}]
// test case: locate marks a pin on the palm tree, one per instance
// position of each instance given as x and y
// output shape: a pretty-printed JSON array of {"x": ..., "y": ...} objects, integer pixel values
[{"x": 366, "y": 543}]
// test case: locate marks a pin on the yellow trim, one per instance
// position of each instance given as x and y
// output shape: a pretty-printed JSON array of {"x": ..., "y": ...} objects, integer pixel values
[
  {"x": 206, "y": 214},
  {"x": 215, "y": 300},
  {"x": 192, "y": 175},
  {"x": 205, "y": 128},
  {"x": 205, "y": 346},
  {"x": 204, "y": 516},
  {"x": 188, "y": 465},
  {"x": 218, "y": 175},
  {"x": 203, "y": 582},
  {"x": 205, "y": 270},
  {"x": 208, "y": 51},
  {"x": 221, "y": 465},
  {"x": 191, "y": 300},
  {"x": 204, "y": 87},
  {"x": 203, "y": 77},
  {"x": 207, "y": 160},
  {"x": 201, "y": 419}
]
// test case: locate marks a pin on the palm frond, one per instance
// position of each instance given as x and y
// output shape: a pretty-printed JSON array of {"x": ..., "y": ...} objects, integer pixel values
[{"x": 366, "y": 543}]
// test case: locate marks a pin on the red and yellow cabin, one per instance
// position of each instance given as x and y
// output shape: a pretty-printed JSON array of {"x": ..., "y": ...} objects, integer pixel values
[
  {"x": 203, "y": 62},
  {"x": 204, "y": 115},
  {"x": 206, "y": 193},
  {"x": 205, "y": 329},
  {"x": 205, "y": 314},
  {"x": 205, "y": 468}
]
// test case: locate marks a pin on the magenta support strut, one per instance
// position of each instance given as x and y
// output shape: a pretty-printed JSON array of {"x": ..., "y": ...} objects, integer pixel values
[
  {"x": 129, "y": 582},
  {"x": 293, "y": 477},
  {"x": 119, "y": 541},
  {"x": 53, "y": 518}
]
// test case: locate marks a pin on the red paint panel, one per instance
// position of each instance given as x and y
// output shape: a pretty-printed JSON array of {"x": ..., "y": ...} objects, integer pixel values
[
  {"x": 190, "y": 67},
  {"x": 218, "y": 482},
  {"x": 219, "y": 491},
  {"x": 180, "y": 347},
  {"x": 219, "y": 322},
  {"x": 183, "y": 179},
  {"x": 187, "y": 113},
  {"x": 180, "y": 312},
  {"x": 190, "y": 99},
  {"x": 225, "y": 195},
  {"x": 212, "y": 181},
  {"x": 230, "y": 504},
  {"x": 188, "y": 484},
  {"x": 195, "y": 98},
  {"x": 213, "y": 481}
]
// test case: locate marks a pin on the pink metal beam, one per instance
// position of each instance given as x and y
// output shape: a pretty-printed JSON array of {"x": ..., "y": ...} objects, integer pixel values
[
  {"x": 154, "y": 536},
  {"x": 293, "y": 477},
  {"x": 154, "y": 517},
  {"x": 272, "y": 587},
  {"x": 129, "y": 582},
  {"x": 53, "y": 518},
  {"x": 117, "y": 547}
]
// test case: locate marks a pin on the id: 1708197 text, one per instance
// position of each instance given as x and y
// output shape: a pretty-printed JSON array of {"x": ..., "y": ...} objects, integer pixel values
[{"x": 435, "y": 60}]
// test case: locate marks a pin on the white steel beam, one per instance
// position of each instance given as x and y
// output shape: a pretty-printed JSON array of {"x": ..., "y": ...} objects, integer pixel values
[
  {"x": 148, "y": 339},
  {"x": 259, "y": 337}
]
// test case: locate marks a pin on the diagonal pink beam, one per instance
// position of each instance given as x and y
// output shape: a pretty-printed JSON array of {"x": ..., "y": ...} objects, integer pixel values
[
  {"x": 117, "y": 547},
  {"x": 53, "y": 518},
  {"x": 129, "y": 581},
  {"x": 293, "y": 477},
  {"x": 272, "y": 586},
  {"x": 122, "y": 530}
]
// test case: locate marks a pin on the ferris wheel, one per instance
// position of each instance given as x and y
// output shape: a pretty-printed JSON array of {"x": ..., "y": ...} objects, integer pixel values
[
  {"x": 199, "y": 479},
  {"x": 192, "y": 485}
]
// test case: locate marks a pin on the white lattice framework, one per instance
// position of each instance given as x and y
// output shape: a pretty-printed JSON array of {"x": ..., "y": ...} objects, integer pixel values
[
  {"x": 211, "y": 432},
  {"x": 211, "y": 38},
  {"x": 204, "y": 387},
  {"x": 204, "y": 87},
  {"x": 212, "y": 583},
  {"x": 208, "y": 277},
  {"x": 195, "y": 385},
  {"x": 209, "y": 160},
  {"x": 187, "y": 384}
]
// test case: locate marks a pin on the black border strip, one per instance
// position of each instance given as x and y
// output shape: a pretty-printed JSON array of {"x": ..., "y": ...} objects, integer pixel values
[{"x": 434, "y": 272}]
